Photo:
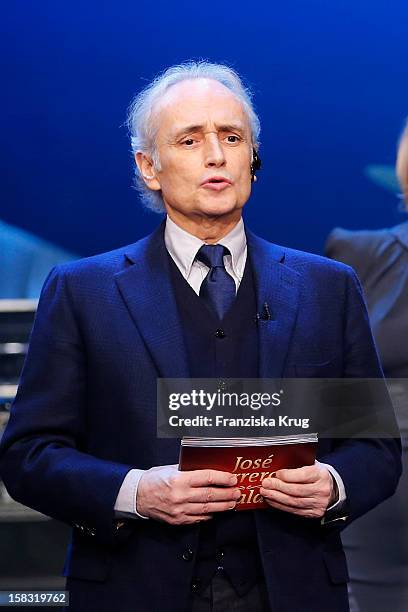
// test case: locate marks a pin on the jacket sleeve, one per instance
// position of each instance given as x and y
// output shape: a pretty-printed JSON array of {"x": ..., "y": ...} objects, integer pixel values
[
  {"x": 43, "y": 461},
  {"x": 370, "y": 468}
]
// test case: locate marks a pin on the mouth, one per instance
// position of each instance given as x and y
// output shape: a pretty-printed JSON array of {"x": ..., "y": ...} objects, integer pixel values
[{"x": 216, "y": 183}]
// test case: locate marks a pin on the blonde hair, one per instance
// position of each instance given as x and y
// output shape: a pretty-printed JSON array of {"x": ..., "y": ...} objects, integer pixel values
[{"x": 402, "y": 163}]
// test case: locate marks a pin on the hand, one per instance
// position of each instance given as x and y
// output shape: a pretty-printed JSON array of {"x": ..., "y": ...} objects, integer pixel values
[
  {"x": 307, "y": 491},
  {"x": 181, "y": 498}
]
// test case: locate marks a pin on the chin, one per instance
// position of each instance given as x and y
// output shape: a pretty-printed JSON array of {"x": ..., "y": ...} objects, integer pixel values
[{"x": 218, "y": 207}]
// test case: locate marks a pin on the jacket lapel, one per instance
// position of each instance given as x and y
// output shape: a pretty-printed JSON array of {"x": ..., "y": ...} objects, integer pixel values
[
  {"x": 145, "y": 286},
  {"x": 277, "y": 286}
]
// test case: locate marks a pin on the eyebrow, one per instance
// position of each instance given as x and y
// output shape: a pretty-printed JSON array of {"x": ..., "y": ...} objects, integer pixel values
[{"x": 189, "y": 129}]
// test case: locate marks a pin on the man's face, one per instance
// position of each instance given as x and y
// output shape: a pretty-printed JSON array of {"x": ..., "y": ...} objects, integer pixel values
[{"x": 204, "y": 147}]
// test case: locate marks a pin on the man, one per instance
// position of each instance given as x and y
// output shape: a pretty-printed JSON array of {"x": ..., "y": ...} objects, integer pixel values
[{"x": 81, "y": 444}]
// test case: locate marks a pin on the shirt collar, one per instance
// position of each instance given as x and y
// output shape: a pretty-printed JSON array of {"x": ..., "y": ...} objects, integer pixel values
[{"x": 183, "y": 246}]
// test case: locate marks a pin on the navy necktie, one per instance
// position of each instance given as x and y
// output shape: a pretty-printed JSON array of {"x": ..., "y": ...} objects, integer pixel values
[{"x": 218, "y": 287}]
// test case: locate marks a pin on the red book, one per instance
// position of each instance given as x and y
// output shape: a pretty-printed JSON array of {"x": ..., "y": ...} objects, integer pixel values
[{"x": 251, "y": 459}]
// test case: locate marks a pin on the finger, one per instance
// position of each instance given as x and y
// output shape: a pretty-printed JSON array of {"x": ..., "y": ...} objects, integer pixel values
[
  {"x": 306, "y": 503},
  {"x": 213, "y": 494},
  {"x": 305, "y": 474},
  {"x": 297, "y": 511},
  {"x": 209, "y": 507},
  {"x": 202, "y": 478},
  {"x": 184, "y": 519},
  {"x": 197, "y": 518},
  {"x": 292, "y": 489}
]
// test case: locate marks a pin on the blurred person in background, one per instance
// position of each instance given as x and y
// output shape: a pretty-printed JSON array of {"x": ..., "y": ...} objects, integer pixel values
[{"x": 377, "y": 545}]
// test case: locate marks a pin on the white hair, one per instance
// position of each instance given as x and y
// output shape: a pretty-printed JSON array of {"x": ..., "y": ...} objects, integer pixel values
[{"x": 143, "y": 129}]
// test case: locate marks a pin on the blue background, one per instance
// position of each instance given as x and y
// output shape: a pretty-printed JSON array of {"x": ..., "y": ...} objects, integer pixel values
[{"x": 330, "y": 84}]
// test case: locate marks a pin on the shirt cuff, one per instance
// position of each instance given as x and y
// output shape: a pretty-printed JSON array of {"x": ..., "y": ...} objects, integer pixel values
[
  {"x": 125, "y": 505},
  {"x": 341, "y": 491}
]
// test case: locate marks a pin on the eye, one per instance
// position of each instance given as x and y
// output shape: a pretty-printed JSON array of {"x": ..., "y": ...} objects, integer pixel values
[
  {"x": 188, "y": 142},
  {"x": 233, "y": 138}
]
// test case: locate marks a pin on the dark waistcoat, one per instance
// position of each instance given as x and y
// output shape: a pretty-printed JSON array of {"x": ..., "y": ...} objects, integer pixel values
[{"x": 223, "y": 349}]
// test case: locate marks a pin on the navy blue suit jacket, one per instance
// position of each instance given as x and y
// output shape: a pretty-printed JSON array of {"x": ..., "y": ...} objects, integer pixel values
[{"x": 85, "y": 414}]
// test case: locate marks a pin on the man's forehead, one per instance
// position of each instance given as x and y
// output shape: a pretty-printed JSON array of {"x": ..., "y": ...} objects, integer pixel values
[
  {"x": 191, "y": 101},
  {"x": 200, "y": 87}
]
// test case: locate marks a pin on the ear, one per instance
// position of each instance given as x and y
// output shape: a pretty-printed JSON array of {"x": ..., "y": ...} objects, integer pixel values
[{"x": 147, "y": 171}]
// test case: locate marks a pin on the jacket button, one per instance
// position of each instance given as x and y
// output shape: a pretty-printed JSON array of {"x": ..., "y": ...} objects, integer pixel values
[
  {"x": 220, "y": 333},
  {"x": 195, "y": 585},
  {"x": 187, "y": 554},
  {"x": 219, "y": 555},
  {"x": 222, "y": 385}
]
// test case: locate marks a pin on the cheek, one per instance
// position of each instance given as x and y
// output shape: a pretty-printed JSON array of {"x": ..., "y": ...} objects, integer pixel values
[
  {"x": 244, "y": 185},
  {"x": 169, "y": 178},
  {"x": 245, "y": 194},
  {"x": 175, "y": 174},
  {"x": 177, "y": 184},
  {"x": 243, "y": 169}
]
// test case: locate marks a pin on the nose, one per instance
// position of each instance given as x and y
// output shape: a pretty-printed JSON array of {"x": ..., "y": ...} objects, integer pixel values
[{"x": 214, "y": 153}]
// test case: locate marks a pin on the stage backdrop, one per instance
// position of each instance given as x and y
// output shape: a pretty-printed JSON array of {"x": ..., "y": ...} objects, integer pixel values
[{"x": 330, "y": 84}]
